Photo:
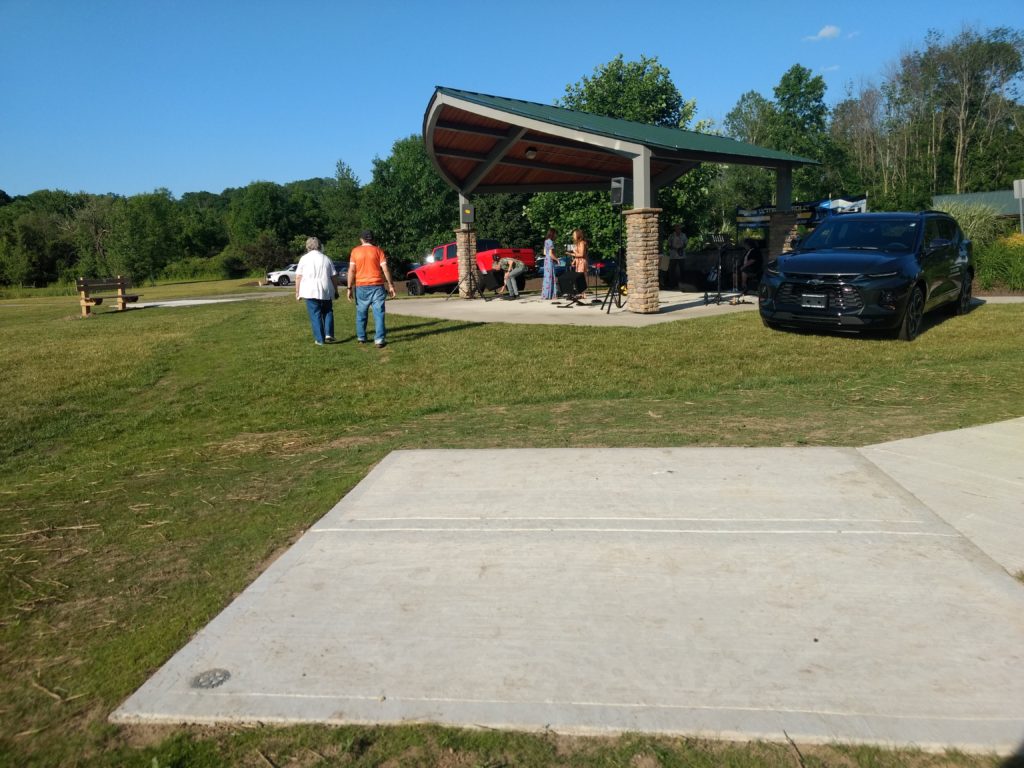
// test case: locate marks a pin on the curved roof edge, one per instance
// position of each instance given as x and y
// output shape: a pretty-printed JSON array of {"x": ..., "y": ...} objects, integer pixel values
[{"x": 652, "y": 136}]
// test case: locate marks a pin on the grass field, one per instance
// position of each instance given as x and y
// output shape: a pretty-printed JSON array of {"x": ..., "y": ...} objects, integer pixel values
[{"x": 154, "y": 460}]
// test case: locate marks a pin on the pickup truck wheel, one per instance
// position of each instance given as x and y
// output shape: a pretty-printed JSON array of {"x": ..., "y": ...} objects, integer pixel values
[
  {"x": 414, "y": 287},
  {"x": 283, "y": 280}
]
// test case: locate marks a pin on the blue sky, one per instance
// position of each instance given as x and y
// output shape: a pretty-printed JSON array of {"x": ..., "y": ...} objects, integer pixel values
[{"x": 126, "y": 96}]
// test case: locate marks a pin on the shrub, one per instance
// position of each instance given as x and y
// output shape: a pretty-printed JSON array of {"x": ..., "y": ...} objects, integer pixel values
[
  {"x": 1000, "y": 264},
  {"x": 192, "y": 269},
  {"x": 230, "y": 264},
  {"x": 979, "y": 222}
]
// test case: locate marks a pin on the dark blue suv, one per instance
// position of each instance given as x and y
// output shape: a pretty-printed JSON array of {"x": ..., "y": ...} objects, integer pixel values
[{"x": 870, "y": 271}]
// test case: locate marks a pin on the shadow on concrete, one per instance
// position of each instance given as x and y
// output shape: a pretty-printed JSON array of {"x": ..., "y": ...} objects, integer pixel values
[{"x": 1016, "y": 760}]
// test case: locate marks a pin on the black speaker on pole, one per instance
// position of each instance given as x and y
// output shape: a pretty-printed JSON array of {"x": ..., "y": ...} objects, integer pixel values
[{"x": 622, "y": 190}]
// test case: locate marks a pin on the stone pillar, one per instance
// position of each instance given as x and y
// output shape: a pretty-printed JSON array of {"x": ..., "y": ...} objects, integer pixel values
[
  {"x": 782, "y": 228},
  {"x": 469, "y": 275},
  {"x": 642, "y": 247}
]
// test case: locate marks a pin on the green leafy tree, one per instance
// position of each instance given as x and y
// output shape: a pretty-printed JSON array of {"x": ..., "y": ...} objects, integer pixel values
[
  {"x": 407, "y": 205},
  {"x": 91, "y": 235},
  {"x": 145, "y": 234},
  {"x": 36, "y": 246},
  {"x": 502, "y": 217},
  {"x": 800, "y": 126},
  {"x": 750, "y": 121},
  {"x": 258, "y": 225},
  {"x": 978, "y": 78},
  {"x": 261, "y": 207},
  {"x": 342, "y": 204},
  {"x": 204, "y": 231},
  {"x": 306, "y": 215},
  {"x": 946, "y": 118},
  {"x": 642, "y": 91}
]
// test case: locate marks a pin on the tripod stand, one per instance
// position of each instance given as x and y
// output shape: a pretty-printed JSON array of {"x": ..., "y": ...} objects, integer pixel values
[
  {"x": 472, "y": 283},
  {"x": 617, "y": 288}
]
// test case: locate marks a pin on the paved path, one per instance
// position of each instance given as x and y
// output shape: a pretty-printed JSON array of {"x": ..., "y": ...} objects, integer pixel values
[
  {"x": 532, "y": 310},
  {"x": 722, "y": 592},
  {"x": 225, "y": 299}
]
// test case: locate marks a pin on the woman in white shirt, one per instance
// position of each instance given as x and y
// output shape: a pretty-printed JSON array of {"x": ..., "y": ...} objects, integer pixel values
[{"x": 316, "y": 282}]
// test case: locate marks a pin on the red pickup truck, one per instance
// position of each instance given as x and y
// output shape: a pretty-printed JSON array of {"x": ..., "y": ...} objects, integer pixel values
[{"x": 442, "y": 267}]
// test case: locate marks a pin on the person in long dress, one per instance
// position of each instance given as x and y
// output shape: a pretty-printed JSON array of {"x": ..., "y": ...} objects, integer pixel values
[{"x": 548, "y": 288}]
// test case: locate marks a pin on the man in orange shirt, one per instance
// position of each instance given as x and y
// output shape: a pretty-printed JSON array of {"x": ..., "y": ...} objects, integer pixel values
[{"x": 368, "y": 272}]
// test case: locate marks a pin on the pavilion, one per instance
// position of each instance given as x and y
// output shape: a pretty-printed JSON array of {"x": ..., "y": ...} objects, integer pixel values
[{"x": 484, "y": 144}]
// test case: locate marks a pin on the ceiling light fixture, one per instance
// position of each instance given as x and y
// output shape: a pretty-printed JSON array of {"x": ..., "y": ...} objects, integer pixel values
[{"x": 531, "y": 152}]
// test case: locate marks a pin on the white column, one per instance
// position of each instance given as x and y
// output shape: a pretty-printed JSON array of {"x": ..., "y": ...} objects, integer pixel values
[{"x": 643, "y": 196}]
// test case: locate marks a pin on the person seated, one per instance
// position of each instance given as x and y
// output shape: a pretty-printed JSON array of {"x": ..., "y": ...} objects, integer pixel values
[
  {"x": 752, "y": 265},
  {"x": 671, "y": 263}
]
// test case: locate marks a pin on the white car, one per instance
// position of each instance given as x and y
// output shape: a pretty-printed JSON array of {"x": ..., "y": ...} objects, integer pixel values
[{"x": 284, "y": 276}]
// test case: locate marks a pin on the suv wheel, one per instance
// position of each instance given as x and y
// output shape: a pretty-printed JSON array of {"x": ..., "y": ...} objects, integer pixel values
[
  {"x": 963, "y": 301},
  {"x": 912, "y": 316},
  {"x": 414, "y": 287},
  {"x": 283, "y": 280}
]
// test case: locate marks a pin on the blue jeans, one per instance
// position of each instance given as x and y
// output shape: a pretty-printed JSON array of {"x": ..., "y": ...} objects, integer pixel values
[
  {"x": 321, "y": 318},
  {"x": 368, "y": 296},
  {"x": 510, "y": 281}
]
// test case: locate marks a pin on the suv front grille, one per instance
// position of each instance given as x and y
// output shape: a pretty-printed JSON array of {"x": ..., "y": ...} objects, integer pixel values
[{"x": 841, "y": 297}]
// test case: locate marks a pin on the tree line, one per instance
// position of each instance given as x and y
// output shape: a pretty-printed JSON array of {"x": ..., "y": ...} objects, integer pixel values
[{"x": 945, "y": 118}]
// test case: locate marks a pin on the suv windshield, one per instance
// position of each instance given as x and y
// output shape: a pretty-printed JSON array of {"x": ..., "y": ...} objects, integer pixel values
[{"x": 864, "y": 234}]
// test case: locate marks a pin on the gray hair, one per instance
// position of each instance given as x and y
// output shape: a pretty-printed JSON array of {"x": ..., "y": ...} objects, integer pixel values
[{"x": 312, "y": 244}]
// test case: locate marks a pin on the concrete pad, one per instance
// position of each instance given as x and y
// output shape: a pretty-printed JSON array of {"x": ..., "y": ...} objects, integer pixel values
[
  {"x": 733, "y": 593},
  {"x": 972, "y": 478},
  {"x": 532, "y": 310}
]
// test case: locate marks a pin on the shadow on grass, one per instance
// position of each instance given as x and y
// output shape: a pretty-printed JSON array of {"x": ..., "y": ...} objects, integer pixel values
[
  {"x": 933, "y": 319},
  {"x": 409, "y": 332}
]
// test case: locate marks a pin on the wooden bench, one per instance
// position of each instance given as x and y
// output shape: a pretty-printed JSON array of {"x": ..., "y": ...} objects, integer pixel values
[{"x": 88, "y": 288}]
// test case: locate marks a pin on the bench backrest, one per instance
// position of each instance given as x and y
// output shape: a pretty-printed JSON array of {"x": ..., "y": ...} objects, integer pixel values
[{"x": 104, "y": 283}]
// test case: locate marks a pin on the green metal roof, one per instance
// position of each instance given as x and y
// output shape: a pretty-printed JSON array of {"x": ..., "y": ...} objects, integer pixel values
[
  {"x": 1002, "y": 201},
  {"x": 652, "y": 136}
]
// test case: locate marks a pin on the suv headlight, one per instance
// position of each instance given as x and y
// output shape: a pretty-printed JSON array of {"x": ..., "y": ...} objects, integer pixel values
[{"x": 772, "y": 269}]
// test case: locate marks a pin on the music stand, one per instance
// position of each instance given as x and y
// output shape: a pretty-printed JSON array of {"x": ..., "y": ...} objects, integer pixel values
[{"x": 720, "y": 243}]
